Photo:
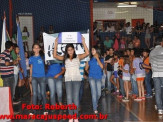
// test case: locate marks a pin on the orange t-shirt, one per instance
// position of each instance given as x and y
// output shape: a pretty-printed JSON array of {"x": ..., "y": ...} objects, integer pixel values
[
  {"x": 146, "y": 62},
  {"x": 120, "y": 62}
]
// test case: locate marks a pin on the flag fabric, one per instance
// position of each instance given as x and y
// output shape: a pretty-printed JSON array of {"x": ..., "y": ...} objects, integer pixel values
[
  {"x": 21, "y": 53},
  {"x": 4, "y": 35}
]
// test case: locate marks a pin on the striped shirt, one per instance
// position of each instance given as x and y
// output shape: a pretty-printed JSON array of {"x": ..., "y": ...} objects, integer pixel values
[
  {"x": 82, "y": 66},
  {"x": 156, "y": 60},
  {"x": 6, "y": 71},
  {"x": 72, "y": 70}
]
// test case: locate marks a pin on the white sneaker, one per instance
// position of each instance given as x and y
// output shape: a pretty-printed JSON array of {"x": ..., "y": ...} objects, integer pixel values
[
  {"x": 31, "y": 114},
  {"x": 160, "y": 111},
  {"x": 138, "y": 99},
  {"x": 76, "y": 120},
  {"x": 45, "y": 113},
  {"x": 70, "y": 120}
]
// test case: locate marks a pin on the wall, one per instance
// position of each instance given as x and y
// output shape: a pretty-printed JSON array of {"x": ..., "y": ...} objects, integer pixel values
[
  {"x": 64, "y": 15},
  {"x": 123, "y": 13}
]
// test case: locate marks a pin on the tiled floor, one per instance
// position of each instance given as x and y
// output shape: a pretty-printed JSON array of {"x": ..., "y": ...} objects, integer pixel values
[{"x": 111, "y": 105}]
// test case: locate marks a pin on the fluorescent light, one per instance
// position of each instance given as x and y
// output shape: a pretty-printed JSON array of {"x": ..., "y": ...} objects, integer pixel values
[
  {"x": 121, "y": 12},
  {"x": 120, "y": 6}
]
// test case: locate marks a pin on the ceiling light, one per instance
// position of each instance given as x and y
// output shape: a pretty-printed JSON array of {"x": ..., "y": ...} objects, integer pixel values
[{"x": 120, "y": 6}]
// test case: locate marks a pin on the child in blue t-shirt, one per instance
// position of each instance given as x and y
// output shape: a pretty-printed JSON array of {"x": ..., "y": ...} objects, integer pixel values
[
  {"x": 54, "y": 77},
  {"x": 37, "y": 75},
  {"x": 95, "y": 66}
]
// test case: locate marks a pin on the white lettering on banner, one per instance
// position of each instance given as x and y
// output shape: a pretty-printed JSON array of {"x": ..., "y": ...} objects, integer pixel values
[
  {"x": 24, "y": 34},
  {"x": 49, "y": 46},
  {"x": 69, "y": 37}
]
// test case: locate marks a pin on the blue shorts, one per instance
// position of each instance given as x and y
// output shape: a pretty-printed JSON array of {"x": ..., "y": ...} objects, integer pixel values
[{"x": 115, "y": 73}]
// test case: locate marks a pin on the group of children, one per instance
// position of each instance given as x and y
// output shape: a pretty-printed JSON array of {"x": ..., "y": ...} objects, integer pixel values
[
  {"x": 127, "y": 71},
  {"x": 122, "y": 69}
]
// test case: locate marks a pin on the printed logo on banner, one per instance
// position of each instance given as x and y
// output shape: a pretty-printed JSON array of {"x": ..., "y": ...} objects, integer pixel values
[{"x": 49, "y": 46}]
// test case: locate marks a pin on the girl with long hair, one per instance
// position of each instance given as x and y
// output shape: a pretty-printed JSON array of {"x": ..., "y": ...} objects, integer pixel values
[
  {"x": 37, "y": 75},
  {"x": 95, "y": 66},
  {"x": 126, "y": 77},
  {"x": 72, "y": 74}
]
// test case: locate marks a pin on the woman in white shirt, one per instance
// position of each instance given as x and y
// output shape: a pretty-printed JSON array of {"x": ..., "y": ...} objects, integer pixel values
[{"x": 72, "y": 75}]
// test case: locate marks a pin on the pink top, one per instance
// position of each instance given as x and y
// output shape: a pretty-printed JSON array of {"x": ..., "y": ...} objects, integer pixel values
[
  {"x": 116, "y": 45},
  {"x": 122, "y": 46}
]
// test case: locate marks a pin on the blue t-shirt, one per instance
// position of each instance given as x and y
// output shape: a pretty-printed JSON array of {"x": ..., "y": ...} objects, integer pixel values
[
  {"x": 95, "y": 70},
  {"x": 38, "y": 67},
  {"x": 54, "y": 69}
]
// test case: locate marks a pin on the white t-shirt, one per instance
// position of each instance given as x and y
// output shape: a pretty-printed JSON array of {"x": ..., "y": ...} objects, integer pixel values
[
  {"x": 16, "y": 70},
  {"x": 128, "y": 30},
  {"x": 27, "y": 63},
  {"x": 116, "y": 66}
]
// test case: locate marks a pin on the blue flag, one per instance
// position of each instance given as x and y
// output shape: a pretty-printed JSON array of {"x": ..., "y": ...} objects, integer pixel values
[{"x": 21, "y": 53}]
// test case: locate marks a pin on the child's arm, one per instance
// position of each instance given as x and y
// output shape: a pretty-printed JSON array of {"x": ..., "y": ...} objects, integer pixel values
[
  {"x": 61, "y": 73},
  {"x": 146, "y": 66},
  {"x": 55, "y": 51},
  {"x": 108, "y": 61},
  {"x": 30, "y": 73},
  {"x": 99, "y": 62},
  {"x": 123, "y": 70},
  {"x": 87, "y": 67},
  {"x": 81, "y": 56}
]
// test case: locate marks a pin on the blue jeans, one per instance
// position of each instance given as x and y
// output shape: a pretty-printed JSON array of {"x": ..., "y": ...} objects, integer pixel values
[
  {"x": 121, "y": 82},
  {"x": 72, "y": 91},
  {"x": 15, "y": 84},
  {"x": 103, "y": 80},
  {"x": 158, "y": 82},
  {"x": 148, "y": 82},
  {"x": 134, "y": 85},
  {"x": 81, "y": 90},
  {"x": 55, "y": 85},
  {"x": 41, "y": 82},
  {"x": 95, "y": 85},
  {"x": 109, "y": 73}
]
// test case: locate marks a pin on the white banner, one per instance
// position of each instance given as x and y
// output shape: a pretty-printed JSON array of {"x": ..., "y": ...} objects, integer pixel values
[{"x": 49, "y": 46}]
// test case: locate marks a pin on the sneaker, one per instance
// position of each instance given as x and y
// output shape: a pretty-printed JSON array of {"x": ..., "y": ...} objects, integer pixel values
[
  {"x": 45, "y": 112},
  {"x": 143, "y": 98},
  {"x": 76, "y": 120},
  {"x": 125, "y": 100},
  {"x": 70, "y": 120},
  {"x": 120, "y": 96},
  {"x": 16, "y": 102},
  {"x": 117, "y": 91},
  {"x": 160, "y": 111},
  {"x": 95, "y": 112},
  {"x": 31, "y": 113},
  {"x": 148, "y": 96},
  {"x": 137, "y": 99}
]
